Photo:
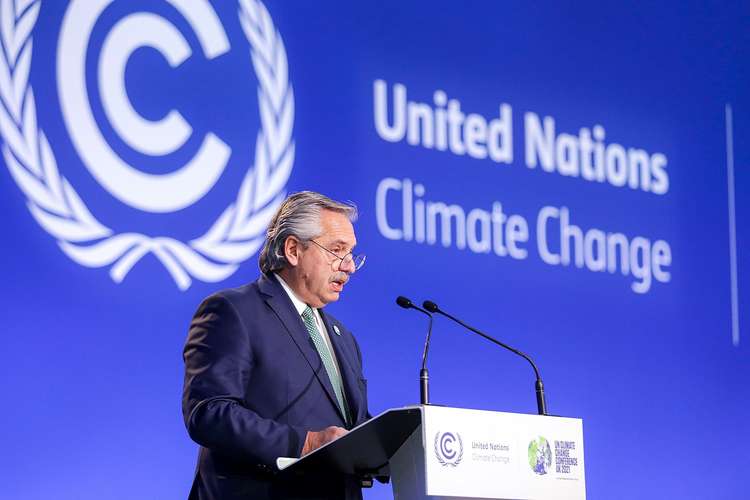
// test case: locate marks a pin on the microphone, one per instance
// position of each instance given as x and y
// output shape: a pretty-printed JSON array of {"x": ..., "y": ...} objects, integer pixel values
[
  {"x": 424, "y": 377},
  {"x": 541, "y": 404}
]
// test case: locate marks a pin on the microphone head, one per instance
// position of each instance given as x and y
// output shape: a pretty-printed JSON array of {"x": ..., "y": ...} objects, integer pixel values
[
  {"x": 430, "y": 306},
  {"x": 404, "y": 302}
]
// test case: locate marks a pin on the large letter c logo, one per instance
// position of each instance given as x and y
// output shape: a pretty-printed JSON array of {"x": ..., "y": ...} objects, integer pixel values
[{"x": 149, "y": 192}]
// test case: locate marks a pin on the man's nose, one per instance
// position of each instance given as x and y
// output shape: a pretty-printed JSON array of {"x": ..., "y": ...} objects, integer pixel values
[{"x": 347, "y": 266}]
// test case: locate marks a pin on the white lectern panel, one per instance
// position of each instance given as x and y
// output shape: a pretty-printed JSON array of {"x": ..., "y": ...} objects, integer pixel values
[{"x": 483, "y": 454}]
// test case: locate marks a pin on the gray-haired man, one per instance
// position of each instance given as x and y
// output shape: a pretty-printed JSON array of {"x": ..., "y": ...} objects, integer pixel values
[{"x": 267, "y": 372}]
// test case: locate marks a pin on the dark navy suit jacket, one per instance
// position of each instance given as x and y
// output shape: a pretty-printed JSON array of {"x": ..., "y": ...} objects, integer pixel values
[{"x": 254, "y": 386}]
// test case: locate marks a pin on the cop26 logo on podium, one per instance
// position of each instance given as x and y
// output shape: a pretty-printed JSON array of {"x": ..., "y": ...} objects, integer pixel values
[{"x": 61, "y": 210}]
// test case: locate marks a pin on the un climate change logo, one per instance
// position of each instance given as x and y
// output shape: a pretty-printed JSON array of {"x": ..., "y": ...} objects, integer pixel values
[
  {"x": 449, "y": 448},
  {"x": 540, "y": 456},
  {"x": 238, "y": 232}
]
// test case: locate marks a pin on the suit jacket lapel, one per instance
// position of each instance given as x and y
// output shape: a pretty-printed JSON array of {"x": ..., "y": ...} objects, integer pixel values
[
  {"x": 282, "y": 305},
  {"x": 348, "y": 374}
]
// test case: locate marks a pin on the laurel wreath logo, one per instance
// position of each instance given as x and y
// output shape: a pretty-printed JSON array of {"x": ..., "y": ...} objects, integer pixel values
[
  {"x": 439, "y": 454},
  {"x": 233, "y": 238}
]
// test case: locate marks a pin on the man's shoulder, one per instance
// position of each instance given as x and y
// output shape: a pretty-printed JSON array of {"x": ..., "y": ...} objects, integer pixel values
[
  {"x": 239, "y": 292},
  {"x": 241, "y": 295}
]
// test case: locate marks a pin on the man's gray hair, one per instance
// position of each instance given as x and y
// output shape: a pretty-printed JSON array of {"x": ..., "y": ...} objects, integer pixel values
[{"x": 299, "y": 216}]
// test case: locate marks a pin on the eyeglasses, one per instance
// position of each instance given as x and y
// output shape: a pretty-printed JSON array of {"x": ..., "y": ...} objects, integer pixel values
[{"x": 350, "y": 258}]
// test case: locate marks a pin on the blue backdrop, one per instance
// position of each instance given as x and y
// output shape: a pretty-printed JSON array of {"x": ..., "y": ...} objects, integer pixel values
[{"x": 567, "y": 176}]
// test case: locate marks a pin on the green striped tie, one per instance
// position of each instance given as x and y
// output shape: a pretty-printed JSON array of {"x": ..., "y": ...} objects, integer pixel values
[{"x": 325, "y": 356}]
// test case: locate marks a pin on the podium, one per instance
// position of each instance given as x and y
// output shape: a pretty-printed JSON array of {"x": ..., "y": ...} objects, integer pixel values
[{"x": 433, "y": 452}]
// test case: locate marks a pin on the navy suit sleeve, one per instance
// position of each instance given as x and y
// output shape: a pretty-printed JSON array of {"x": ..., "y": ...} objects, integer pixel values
[
  {"x": 362, "y": 378},
  {"x": 218, "y": 364}
]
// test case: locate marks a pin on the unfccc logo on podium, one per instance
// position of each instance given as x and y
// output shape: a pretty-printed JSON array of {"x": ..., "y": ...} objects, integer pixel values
[
  {"x": 58, "y": 208},
  {"x": 449, "y": 448}
]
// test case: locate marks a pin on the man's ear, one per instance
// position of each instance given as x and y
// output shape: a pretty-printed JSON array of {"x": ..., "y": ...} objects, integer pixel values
[{"x": 292, "y": 247}]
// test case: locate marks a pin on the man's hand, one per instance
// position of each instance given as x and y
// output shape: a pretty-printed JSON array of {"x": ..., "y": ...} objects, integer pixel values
[{"x": 315, "y": 440}]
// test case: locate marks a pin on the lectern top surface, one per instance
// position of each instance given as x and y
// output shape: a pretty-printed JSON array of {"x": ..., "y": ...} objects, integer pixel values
[{"x": 366, "y": 449}]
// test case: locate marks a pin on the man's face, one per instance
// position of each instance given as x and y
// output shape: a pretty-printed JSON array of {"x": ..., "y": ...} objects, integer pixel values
[{"x": 317, "y": 280}]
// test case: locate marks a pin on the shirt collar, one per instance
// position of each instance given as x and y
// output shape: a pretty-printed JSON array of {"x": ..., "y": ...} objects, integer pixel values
[{"x": 299, "y": 305}]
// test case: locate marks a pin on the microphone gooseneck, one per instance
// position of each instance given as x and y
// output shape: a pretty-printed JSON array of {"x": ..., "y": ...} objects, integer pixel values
[
  {"x": 424, "y": 376},
  {"x": 538, "y": 386}
]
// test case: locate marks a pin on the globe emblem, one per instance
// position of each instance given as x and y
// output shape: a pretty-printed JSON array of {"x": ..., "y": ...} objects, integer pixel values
[{"x": 540, "y": 456}]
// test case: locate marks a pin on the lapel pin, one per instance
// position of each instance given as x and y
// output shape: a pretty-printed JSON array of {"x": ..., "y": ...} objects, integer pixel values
[{"x": 336, "y": 329}]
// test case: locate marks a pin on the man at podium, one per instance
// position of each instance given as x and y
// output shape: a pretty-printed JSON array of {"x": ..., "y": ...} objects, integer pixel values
[{"x": 268, "y": 372}]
